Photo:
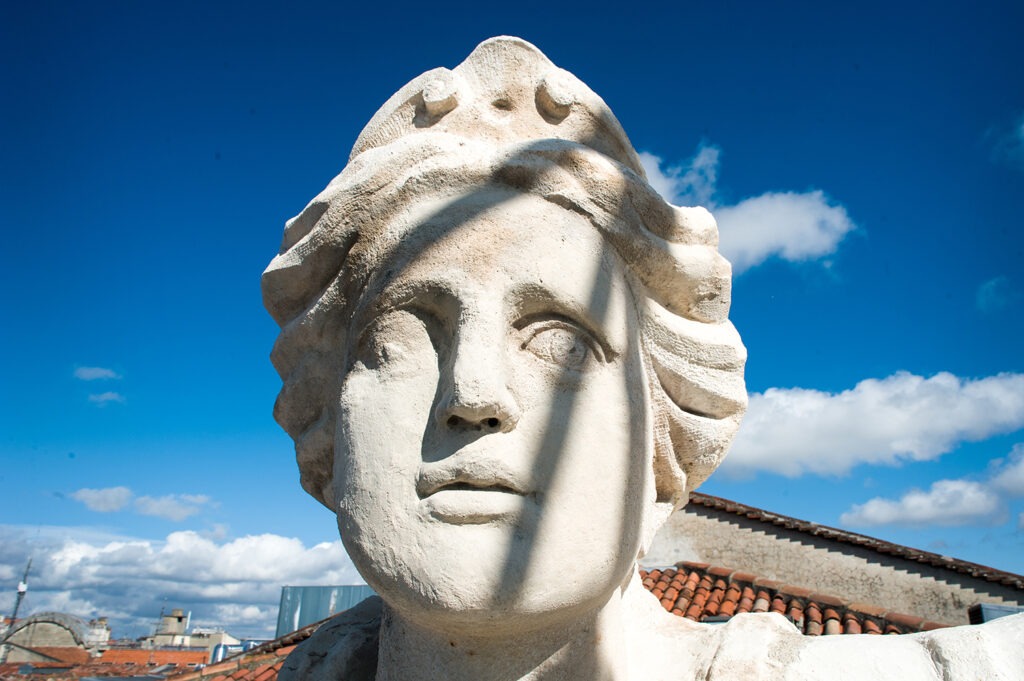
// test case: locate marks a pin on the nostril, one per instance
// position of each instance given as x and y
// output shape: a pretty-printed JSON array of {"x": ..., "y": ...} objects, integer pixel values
[{"x": 456, "y": 422}]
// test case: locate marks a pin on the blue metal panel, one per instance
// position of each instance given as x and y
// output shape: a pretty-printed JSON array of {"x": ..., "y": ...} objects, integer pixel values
[
  {"x": 302, "y": 605},
  {"x": 986, "y": 612}
]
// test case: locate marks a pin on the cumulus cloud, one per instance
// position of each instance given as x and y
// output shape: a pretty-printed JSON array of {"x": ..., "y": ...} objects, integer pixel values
[
  {"x": 793, "y": 226},
  {"x": 692, "y": 184},
  {"x": 175, "y": 507},
  {"x": 793, "y": 431},
  {"x": 105, "y": 500},
  {"x": 1009, "y": 473},
  {"x": 994, "y": 295},
  {"x": 949, "y": 502},
  {"x": 95, "y": 374},
  {"x": 235, "y": 584},
  {"x": 103, "y": 399},
  {"x": 790, "y": 225},
  {"x": 946, "y": 503}
]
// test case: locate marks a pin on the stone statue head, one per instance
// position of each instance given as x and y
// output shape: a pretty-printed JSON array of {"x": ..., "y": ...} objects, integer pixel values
[{"x": 502, "y": 352}]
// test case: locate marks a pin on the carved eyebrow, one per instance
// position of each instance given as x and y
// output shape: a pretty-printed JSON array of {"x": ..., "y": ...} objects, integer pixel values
[
  {"x": 403, "y": 293},
  {"x": 432, "y": 297}
]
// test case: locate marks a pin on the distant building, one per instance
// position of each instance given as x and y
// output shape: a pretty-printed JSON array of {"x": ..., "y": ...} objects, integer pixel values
[
  {"x": 173, "y": 632},
  {"x": 49, "y": 636},
  {"x": 58, "y": 644}
]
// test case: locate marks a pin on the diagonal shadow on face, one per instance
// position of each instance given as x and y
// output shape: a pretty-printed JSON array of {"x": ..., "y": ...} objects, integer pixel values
[{"x": 519, "y": 564}]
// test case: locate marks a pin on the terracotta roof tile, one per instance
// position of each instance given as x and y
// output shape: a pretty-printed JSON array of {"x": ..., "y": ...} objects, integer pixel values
[
  {"x": 826, "y": 599},
  {"x": 66, "y": 654},
  {"x": 763, "y": 601},
  {"x": 155, "y": 657},
  {"x": 724, "y": 592},
  {"x": 795, "y": 591}
]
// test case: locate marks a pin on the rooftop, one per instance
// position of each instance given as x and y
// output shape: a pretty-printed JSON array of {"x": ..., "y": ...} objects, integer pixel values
[
  {"x": 926, "y": 557},
  {"x": 705, "y": 593}
]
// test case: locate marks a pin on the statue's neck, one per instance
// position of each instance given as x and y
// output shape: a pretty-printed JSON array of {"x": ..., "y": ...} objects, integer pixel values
[{"x": 587, "y": 648}]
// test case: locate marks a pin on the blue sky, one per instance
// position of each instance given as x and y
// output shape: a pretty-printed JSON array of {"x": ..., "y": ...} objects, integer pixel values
[{"x": 865, "y": 162}]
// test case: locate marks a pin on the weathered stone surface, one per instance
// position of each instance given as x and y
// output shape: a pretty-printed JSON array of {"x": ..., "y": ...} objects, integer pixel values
[
  {"x": 343, "y": 649},
  {"x": 503, "y": 353}
]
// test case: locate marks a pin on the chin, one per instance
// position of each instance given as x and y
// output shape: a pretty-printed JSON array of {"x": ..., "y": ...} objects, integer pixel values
[{"x": 474, "y": 578}]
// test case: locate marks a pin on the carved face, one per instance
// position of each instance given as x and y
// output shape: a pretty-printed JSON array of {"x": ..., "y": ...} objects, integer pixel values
[{"x": 492, "y": 436}]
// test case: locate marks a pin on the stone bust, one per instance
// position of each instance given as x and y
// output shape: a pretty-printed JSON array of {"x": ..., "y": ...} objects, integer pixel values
[{"x": 506, "y": 360}]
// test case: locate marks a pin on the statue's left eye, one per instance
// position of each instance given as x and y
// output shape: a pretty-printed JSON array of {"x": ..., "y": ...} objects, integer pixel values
[{"x": 561, "y": 344}]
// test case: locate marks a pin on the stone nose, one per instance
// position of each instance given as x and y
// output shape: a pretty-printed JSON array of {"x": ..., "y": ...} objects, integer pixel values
[
  {"x": 484, "y": 415},
  {"x": 477, "y": 395}
]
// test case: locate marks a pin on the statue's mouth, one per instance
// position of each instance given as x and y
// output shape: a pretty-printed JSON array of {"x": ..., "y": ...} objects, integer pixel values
[
  {"x": 470, "y": 474},
  {"x": 476, "y": 486},
  {"x": 475, "y": 502}
]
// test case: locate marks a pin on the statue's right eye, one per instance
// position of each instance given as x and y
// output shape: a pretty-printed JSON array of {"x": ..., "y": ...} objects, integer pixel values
[{"x": 396, "y": 340}]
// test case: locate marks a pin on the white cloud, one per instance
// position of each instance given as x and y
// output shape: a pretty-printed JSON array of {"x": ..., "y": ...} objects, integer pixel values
[
  {"x": 994, "y": 295},
  {"x": 228, "y": 615},
  {"x": 793, "y": 431},
  {"x": 692, "y": 184},
  {"x": 172, "y": 506},
  {"x": 949, "y": 502},
  {"x": 103, "y": 399},
  {"x": 176, "y": 507},
  {"x": 1009, "y": 474},
  {"x": 789, "y": 225},
  {"x": 793, "y": 226},
  {"x": 103, "y": 500},
  {"x": 946, "y": 503},
  {"x": 95, "y": 374},
  {"x": 236, "y": 584}
]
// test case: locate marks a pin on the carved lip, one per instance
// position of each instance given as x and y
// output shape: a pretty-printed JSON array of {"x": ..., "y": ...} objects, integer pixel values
[{"x": 469, "y": 474}]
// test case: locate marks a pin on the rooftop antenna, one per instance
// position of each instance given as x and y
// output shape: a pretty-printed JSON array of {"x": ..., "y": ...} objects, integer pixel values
[{"x": 22, "y": 590}]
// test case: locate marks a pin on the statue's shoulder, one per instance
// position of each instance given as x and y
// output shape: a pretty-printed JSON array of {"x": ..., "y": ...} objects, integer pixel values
[
  {"x": 991, "y": 651},
  {"x": 753, "y": 646},
  {"x": 345, "y": 647}
]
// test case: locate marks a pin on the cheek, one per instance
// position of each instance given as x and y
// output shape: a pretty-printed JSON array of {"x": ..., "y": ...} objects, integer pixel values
[
  {"x": 616, "y": 462},
  {"x": 600, "y": 433},
  {"x": 379, "y": 435}
]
